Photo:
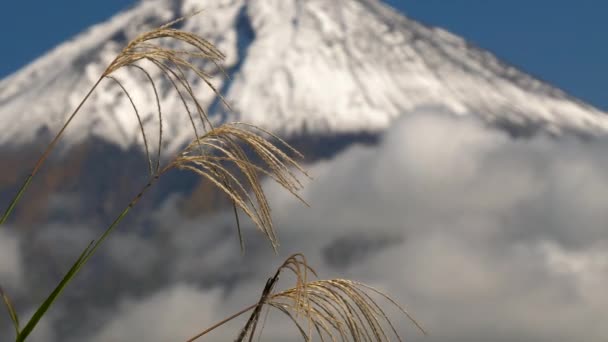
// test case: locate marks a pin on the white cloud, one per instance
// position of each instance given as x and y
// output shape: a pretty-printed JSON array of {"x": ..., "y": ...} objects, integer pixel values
[
  {"x": 482, "y": 237},
  {"x": 503, "y": 240},
  {"x": 174, "y": 314},
  {"x": 11, "y": 265}
]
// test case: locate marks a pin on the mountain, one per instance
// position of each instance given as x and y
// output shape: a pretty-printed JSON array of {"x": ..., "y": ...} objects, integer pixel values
[
  {"x": 323, "y": 74},
  {"x": 295, "y": 67}
]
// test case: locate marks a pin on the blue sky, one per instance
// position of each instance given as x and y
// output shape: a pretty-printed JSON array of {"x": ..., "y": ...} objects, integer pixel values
[{"x": 561, "y": 42}]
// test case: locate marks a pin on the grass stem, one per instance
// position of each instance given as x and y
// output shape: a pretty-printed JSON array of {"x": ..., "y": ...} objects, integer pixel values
[
  {"x": 45, "y": 155},
  {"x": 80, "y": 262},
  {"x": 222, "y": 322}
]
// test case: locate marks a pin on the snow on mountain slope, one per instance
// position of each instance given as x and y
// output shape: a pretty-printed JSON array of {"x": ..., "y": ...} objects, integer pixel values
[{"x": 295, "y": 66}]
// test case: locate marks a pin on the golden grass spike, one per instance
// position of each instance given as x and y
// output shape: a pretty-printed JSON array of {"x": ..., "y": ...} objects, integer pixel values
[
  {"x": 341, "y": 309},
  {"x": 338, "y": 308},
  {"x": 145, "y": 47},
  {"x": 222, "y": 155},
  {"x": 142, "y": 47},
  {"x": 296, "y": 263}
]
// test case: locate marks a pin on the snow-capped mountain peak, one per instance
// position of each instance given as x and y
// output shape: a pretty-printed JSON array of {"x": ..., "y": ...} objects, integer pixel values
[{"x": 295, "y": 67}]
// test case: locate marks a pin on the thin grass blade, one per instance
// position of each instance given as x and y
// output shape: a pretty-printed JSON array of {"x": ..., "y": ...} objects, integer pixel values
[
  {"x": 11, "y": 310},
  {"x": 44, "y": 307}
]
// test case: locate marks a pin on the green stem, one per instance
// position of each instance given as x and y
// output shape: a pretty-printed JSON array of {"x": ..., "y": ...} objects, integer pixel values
[
  {"x": 11, "y": 311},
  {"x": 80, "y": 262},
  {"x": 45, "y": 155},
  {"x": 13, "y": 203},
  {"x": 120, "y": 217}
]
